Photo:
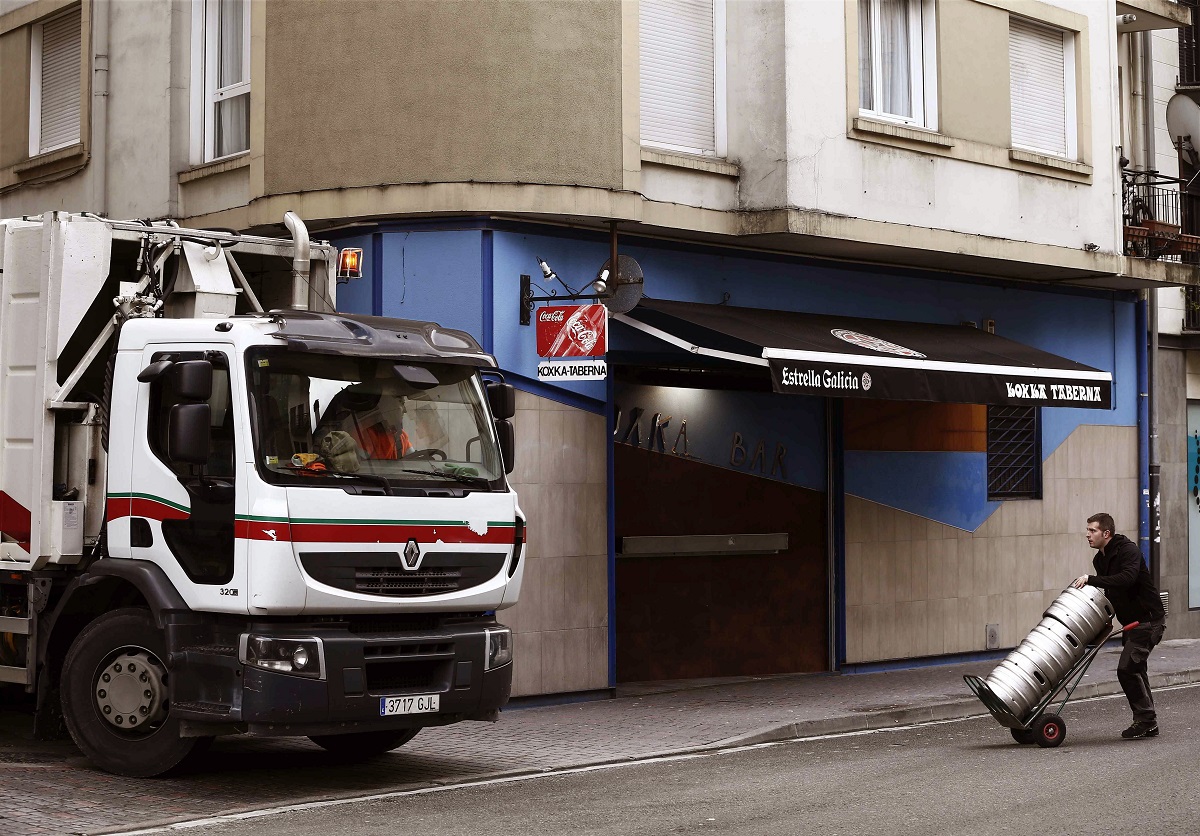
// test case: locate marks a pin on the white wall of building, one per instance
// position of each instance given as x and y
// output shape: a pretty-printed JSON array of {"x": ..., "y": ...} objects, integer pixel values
[{"x": 831, "y": 172}]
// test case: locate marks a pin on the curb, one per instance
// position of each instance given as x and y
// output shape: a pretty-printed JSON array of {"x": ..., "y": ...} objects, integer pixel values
[{"x": 957, "y": 710}]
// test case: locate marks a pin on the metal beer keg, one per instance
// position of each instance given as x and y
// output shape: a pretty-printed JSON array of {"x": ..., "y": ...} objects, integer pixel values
[
  {"x": 1040, "y": 662},
  {"x": 1052, "y": 642},
  {"x": 1086, "y": 611},
  {"x": 1015, "y": 687}
]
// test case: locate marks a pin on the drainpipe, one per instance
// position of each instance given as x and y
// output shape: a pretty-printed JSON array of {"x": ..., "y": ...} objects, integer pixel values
[
  {"x": 1154, "y": 554},
  {"x": 1143, "y": 423},
  {"x": 299, "y": 261},
  {"x": 1155, "y": 500},
  {"x": 99, "y": 161},
  {"x": 1147, "y": 58}
]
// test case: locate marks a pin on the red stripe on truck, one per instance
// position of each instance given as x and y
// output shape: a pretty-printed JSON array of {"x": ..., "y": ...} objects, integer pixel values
[{"x": 15, "y": 520}]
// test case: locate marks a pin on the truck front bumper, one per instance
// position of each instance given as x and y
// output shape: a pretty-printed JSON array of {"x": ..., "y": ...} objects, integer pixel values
[{"x": 360, "y": 670}]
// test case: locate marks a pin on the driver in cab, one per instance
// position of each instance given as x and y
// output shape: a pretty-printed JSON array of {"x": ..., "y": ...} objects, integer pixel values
[{"x": 372, "y": 420}]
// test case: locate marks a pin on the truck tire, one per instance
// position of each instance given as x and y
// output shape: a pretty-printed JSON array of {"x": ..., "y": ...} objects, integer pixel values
[
  {"x": 362, "y": 745},
  {"x": 115, "y": 697}
]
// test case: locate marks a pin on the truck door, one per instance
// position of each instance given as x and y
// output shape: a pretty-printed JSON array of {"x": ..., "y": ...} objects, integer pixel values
[{"x": 183, "y": 513}]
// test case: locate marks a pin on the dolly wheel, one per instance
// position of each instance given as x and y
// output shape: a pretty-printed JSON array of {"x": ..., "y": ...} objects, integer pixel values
[
  {"x": 1023, "y": 735},
  {"x": 1050, "y": 730}
]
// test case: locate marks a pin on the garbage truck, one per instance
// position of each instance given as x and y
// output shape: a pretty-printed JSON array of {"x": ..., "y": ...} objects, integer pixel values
[{"x": 226, "y": 508}]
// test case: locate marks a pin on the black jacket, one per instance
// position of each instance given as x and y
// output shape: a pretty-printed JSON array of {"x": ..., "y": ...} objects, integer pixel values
[{"x": 1122, "y": 574}]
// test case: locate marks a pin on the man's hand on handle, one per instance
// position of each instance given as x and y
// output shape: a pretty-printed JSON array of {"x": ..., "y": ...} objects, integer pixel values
[{"x": 1080, "y": 582}]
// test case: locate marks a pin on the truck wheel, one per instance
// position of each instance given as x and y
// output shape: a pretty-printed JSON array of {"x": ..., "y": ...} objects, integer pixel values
[
  {"x": 363, "y": 744},
  {"x": 115, "y": 696}
]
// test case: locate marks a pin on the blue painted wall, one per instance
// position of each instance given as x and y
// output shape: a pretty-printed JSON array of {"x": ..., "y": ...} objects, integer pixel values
[{"x": 425, "y": 272}]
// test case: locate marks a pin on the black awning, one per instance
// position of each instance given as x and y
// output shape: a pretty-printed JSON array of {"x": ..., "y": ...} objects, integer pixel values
[{"x": 835, "y": 356}]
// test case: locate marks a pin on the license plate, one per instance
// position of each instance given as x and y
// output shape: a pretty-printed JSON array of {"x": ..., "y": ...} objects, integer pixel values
[{"x": 423, "y": 704}]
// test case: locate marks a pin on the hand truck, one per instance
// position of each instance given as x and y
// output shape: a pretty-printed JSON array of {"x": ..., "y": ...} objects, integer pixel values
[{"x": 1045, "y": 729}]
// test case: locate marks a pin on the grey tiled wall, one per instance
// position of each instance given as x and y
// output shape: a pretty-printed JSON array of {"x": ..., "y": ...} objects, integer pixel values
[
  {"x": 561, "y": 621},
  {"x": 915, "y": 587}
]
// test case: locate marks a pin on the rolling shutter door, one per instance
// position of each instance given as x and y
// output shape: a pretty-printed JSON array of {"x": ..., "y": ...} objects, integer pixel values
[
  {"x": 1037, "y": 59},
  {"x": 60, "y": 82},
  {"x": 678, "y": 72}
]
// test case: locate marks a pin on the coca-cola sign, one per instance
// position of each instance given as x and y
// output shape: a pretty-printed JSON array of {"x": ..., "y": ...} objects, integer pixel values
[{"x": 572, "y": 331}]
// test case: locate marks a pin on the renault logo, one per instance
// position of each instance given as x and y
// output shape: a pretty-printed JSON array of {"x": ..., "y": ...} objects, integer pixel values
[{"x": 412, "y": 555}]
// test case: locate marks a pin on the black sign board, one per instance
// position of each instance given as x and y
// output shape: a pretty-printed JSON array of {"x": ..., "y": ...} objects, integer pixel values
[
  {"x": 915, "y": 384},
  {"x": 834, "y": 356}
]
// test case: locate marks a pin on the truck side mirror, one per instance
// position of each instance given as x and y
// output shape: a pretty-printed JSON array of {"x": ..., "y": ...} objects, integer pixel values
[
  {"x": 188, "y": 438},
  {"x": 503, "y": 400},
  {"x": 192, "y": 379},
  {"x": 508, "y": 443}
]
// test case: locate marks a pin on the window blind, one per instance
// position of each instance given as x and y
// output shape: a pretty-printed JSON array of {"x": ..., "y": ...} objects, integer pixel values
[
  {"x": 1038, "y": 86},
  {"x": 60, "y": 91},
  {"x": 678, "y": 75}
]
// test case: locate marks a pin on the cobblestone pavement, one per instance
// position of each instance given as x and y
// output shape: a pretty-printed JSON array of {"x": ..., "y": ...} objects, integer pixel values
[{"x": 51, "y": 789}]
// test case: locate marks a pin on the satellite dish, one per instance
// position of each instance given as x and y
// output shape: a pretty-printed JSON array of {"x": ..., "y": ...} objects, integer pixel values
[
  {"x": 1183, "y": 123},
  {"x": 624, "y": 290}
]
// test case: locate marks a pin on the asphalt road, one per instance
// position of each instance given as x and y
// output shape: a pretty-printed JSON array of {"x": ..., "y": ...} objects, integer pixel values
[{"x": 964, "y": 777}]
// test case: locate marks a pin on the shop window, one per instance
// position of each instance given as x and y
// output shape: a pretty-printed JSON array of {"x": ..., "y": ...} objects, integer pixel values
[
  {"x": 1014, "y": 452},
  {"x": 54, "y": 83},
  {"x": 226, "y": 75},
  {"x": 683, "y": 75},
  {"x": 1042, "y": 88},
  {"x": 897, "y": 70}
]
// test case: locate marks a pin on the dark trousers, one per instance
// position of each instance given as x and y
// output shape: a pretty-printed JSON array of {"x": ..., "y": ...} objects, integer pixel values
[{"x": 1131, "y": 670}]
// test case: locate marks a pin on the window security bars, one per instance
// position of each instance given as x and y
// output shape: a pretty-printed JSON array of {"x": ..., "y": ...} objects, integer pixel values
[
  {"x": 1014, "y": 460},
  {"x": 1191, "y": 308}
]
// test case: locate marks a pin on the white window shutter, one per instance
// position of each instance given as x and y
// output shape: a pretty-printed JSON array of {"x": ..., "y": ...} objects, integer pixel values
[
  {"x": 60, "y": 91},
  {"x": 678, "y": 76},
  {"x": 1038, "y": 85}
]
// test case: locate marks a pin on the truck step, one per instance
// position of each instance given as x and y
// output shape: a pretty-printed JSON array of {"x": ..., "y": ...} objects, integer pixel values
[
  {"x": 11, "y": 624},
  {"x": 207, "y": 709},
  {"x": 18, "y": 676},
  {"x": 211, "y": 649}
]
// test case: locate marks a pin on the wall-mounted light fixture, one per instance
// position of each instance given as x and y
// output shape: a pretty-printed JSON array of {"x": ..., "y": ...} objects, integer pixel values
[
  {"x": 620, "y": 291},
  {"x": 349, "y": 264}
]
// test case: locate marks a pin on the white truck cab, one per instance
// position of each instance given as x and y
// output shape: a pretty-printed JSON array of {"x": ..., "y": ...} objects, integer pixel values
[{"x": 225, "y": 520}]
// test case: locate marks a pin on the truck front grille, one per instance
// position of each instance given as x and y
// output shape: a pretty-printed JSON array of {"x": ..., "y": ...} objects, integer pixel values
[
  {"x": 415, "y": 676},
  {"x": 384, "y": 573},
  {"x": 409, "y": 666}
]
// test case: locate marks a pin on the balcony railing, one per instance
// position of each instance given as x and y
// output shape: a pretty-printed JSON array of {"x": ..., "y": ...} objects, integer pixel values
[{"x": 1162, "y": 220}]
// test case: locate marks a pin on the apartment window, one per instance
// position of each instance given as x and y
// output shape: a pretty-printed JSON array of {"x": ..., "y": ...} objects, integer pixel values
[
  {"x": 226, "y": 78},
  {"x": 897, "y": 77},
  {"x": 54, "y": 83},
  {"x": 1042, "y": 84},
  {"x": 1189, "y": 67},
  {"x": 1014, "y": 452},
  {"x": 683, "y": 75}
]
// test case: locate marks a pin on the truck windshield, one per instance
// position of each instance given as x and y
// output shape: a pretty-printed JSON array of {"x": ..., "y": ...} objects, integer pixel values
[{"x": 329, "y": 420}]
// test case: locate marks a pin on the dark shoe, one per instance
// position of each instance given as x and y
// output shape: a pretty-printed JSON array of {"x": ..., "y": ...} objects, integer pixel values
[{"x": 1141, "y": 729}]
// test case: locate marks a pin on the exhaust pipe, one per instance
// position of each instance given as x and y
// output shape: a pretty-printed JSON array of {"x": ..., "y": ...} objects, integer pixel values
[{"x": 300, "y": 260}]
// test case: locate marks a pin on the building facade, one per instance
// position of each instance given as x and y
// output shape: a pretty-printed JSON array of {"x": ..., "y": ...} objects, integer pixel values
[{"x": 923, "y": 165}]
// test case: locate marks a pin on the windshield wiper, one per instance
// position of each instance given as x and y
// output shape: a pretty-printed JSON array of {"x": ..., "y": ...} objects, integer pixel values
[
  {"x": 466, "y": 479},
  {"x": 371, "y": 478}
]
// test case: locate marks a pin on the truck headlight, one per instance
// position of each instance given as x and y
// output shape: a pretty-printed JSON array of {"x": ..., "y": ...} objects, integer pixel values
[
  {"x": 300, "y": 656},
  {"x": 499, "y": 647}
]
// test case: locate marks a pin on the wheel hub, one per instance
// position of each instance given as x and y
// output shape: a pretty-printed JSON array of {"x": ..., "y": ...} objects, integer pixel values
[{"x": 130, "y": 690}]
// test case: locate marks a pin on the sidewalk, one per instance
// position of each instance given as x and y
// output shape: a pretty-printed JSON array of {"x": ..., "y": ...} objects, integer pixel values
[
  {"x": 661, "y": 718},
  {"x": 50, "y": 788}
]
